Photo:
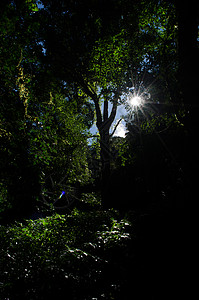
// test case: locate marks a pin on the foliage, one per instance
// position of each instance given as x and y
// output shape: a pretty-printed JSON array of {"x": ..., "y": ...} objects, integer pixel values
[
  {"x": 62, "y": 254},
  {"x": 43, "y": 123},
  {"x": 18, "y": 29},
  {"x": 58, "y": 141},
  {"x": 91, "y": 201},
  {"x": 156, "y": 149},
  {"x": 108, "y": 61},
  {"x": 120, "y": 152},
  {"x": 153, "y": 52},
  {"x": 60, "y": 62}
]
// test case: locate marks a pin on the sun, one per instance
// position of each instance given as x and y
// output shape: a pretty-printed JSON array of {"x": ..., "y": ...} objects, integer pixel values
[{"x": 135, "y": 101}]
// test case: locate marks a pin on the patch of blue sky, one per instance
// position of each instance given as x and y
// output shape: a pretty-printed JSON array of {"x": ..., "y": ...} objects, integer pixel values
[{"x": 39, "y": 4}]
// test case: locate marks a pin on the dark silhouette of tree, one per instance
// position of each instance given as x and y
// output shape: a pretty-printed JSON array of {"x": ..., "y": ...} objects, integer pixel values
[{"x": 89, "y": 48}]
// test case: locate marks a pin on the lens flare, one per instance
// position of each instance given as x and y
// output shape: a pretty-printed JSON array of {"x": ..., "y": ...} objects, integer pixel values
[
  {"x": 63, "y": 193},
  {"x": 135, "y": 101}
]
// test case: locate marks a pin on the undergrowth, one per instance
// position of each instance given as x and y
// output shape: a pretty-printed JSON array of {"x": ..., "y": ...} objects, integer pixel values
[{"x": 73, "y": 255}]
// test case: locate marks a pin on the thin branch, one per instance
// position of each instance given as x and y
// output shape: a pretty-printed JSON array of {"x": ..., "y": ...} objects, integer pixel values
[
  {"x": 114, "y": 109},
  {"x": 115, "y": 127},
  {"x": 20, "y": 59}
]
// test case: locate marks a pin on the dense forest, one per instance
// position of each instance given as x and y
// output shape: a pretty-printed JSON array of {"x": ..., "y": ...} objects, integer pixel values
[{"x": 98, "y": 149}]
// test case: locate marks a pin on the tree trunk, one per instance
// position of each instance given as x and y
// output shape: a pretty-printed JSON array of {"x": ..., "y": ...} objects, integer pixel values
[
  {"x": 104, "y": 123},
  {"x": 105, "y": 152},
  {"x": 105, "y": 155},
  {"x": 106, "y": 166}
]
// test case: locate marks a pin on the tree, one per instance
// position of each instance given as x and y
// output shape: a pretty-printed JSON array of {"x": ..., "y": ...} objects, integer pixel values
[
  {"x": 91, "y": 49},
  {"x": 106, "y": 55},
  {"x": 105, "y": 85}
]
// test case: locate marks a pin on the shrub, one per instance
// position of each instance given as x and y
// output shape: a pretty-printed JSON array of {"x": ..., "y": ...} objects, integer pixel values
[{"x": 62, "y": 255}]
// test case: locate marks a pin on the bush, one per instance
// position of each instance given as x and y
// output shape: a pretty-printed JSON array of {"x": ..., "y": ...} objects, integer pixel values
[{"x": 63, "y": 255}]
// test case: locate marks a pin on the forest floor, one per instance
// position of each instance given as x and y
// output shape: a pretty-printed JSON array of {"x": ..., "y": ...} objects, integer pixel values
[{"x": 152, "y": 264}]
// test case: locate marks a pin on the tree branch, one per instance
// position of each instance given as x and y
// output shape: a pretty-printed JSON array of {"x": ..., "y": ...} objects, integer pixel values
[
  {"x": 105, "y": 112},
  {"x": 92, "y": 94},
  {"x": 115, "y": 127},
  {"x": 106, "y": 124},
  {"x": 114, "y": 108}
]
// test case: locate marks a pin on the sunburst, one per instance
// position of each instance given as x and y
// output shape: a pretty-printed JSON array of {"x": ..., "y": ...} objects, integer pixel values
[{"x": 135, "y": 101}]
